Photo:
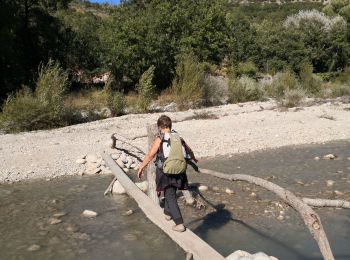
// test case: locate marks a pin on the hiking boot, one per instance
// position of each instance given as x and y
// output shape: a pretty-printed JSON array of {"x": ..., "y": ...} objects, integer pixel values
[
  {"x": 179, "y": 228},
  {"x": 167, "y": 217}
]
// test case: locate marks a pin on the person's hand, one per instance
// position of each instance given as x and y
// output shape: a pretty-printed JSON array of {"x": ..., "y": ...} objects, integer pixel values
[{"x": 140, "y": 172}]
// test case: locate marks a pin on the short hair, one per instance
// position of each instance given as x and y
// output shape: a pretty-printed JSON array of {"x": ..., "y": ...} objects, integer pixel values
[{"x": 164, "y": 122}]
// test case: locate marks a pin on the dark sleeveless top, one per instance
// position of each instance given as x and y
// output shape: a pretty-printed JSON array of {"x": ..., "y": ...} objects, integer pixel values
[{"x": 164, "y": 180}]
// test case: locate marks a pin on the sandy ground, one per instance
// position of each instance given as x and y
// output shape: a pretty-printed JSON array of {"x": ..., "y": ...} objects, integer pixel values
[{"x": 238, "y": 128}]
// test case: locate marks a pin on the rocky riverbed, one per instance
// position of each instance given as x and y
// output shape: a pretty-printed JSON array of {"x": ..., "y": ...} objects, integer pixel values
[{"x": 217, "y": 131}]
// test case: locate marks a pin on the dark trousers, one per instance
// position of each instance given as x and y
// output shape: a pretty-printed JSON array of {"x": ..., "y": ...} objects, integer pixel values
[{"x": 171, "y": 208}]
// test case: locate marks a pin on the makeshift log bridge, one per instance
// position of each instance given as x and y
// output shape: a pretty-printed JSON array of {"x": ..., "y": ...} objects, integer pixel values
[{"x": 189, "y": 241}]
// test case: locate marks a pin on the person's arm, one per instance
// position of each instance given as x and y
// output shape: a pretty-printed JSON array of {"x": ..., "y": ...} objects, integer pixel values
[
  {"x": 149, "y": 156},
  {"x": 189, "y": 151}
]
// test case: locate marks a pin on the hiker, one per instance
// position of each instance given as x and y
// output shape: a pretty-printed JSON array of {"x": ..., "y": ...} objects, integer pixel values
[{"x": 172, "y": 153}]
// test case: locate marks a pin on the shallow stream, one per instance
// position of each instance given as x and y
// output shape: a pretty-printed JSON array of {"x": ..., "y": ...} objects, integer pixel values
[{"x": 246, "y": 220}]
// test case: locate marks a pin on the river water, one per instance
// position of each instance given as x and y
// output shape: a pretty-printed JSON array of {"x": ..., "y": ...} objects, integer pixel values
[{"x": 247, "y": 220}]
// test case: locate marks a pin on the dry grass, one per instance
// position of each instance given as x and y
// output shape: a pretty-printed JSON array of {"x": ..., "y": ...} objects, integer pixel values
[
  {"x": 165, "y": 98},
  {"x": 87, "y": 99}
]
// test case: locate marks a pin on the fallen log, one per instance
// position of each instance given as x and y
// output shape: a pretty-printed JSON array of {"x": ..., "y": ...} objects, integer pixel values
[
  {"x": 310, "y": 217},
  {"x": 187, "y": 240},
  {"x": 327, "y": 203}
]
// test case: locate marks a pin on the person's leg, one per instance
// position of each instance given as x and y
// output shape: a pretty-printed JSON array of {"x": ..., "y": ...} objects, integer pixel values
[
  {"x": 173, "y": 207},
  {"x": 167, "y": 211}
]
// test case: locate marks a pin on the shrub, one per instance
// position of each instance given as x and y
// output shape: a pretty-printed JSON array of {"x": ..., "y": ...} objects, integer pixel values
[
  {"x": 186, "y": 84},
  {"x": 214, "y": 90},
  {"x": 244, "y": 89},
  {"x": 146, "y": 89},
  {"x": 115, "y": 101},
  {"x": 340, "y": 90},
  {"x": 309, "y": 82},
  {"x": 292, "y": 97},
  {"x": 42, "y": 109},
  {"x": 247, "y": 68},
  {"x": 282, "y": 82}
]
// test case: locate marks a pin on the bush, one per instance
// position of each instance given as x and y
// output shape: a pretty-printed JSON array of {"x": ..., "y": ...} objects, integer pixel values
[
  {"x": 146, "y": 90},
  {"x": 115, "y": 100},
  {"x": 292, "y": 97},
  {"x": 186, "y": 84},
  {"x": 340, "y": 90},
  {"x": 244, "y": 89},
  {"x": 214, "y": 90},
  {"x": 247, "y": 68},
  {"x": 282, "y": 82},
  {"x": 309, "y": 82},
  {"x": 42, "y": 109}
]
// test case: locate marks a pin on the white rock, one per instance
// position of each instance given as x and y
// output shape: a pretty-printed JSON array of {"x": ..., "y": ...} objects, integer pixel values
[
  {"x": 238, "y": 255},
  {"x": 54, "y": 221},
  {"x": 142, "y": 185},
  {"x": 329, "y": 156},
  {"x": 129, "y": 212},
  {"x": 92, "y": 158},
  {"x": 203, "y": 188},
  {"x": 126, "y": 170},
  {"x": 89, "y": 213},
  {"x": 215, "y": 188},
  {"x": 118, "y": 188},
  {"x": 273, "y": 258},
  {"x": 229, "y": 191},
  {"x": 316, "y": 158},
  {"x": 253, "y": 194},
  {"x": 115, "y": 156},
  {"x": 260, "y": 256},
  {"x": 80, "y": 161},
  {"x": 330, "y": 183},
  {"x": 33, "y": 248},
  {"x": 339, "y": 193},
  {"x": 280, "y": 217},
  {"x": 133, "y": 165}
]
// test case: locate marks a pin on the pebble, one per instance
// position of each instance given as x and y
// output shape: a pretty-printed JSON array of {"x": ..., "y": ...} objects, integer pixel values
[
  {"x": 80, "y": 161},
  {"x": 89, "y": 213},
  {"x": 339, "y": 193},
  {"x": 34, "y": 248},
  {"x": 280, "y": 217},
  {"x": 120, "y": 163},
  {"x": 54, "y": 221},
  {"x": 91, "y": 157},
  {"x": 129, "y": 212},
  {"x": 215, "y": 188},
  {"x": 253, "y": 194},
  {"x": 71, "y": 228},
  {"x": 203, "y": 188},
  {"x": 126, "y": 170},
  {"x": 329, "y": 156},
  {"x": 59, "y": 214},
  {"x": 118, "y": 188},
  {"x": 316, "y": 158},
  {"x": 330, "y": 183},
  {"x": 115, "y": 156},
  {"x": 229, "y": 191},
  {"x": 348, "y": 158}
]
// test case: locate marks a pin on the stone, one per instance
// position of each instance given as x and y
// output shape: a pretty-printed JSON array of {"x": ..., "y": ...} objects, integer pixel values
[
  {"x": 142, "y": 185},
  {"x": 339, "y": 193},
  {"x": 115, "y": 156},
  {"x": 89, "y": 213},
  {"x": 126, "y": 170},
  {"x": 129, "y": 212},
  {"x": 253, "y": 194},
  {"x": 80, "y": 161},
  {"x": 203, "y": 188},
  {"x": 54, "y": 221},
  {"x": 133, "y": 165},
  {"x": 215, "y": 188},
  {"x": 280, "y": 217},
  {"x": 239, "y": 254},
  {"x": 59, "y": 214},
  {"x": 348, "y": 158},
  {"x": 92, "y": 158},
  {"x": 330, "y": 183},
  {"x": 329, "y": 156},
  {"x": 118, "y": 188},
  {"x": 34, "y": 248},
  {"x": 260, "y": 256},
  {"x": 316, "y": 158},
  {"x": 229, "y": 191},
  {"x": 71, "y": 228}
]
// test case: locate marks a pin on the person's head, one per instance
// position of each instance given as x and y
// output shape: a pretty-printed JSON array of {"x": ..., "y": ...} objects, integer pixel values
[{"x": 164, "y": 123}]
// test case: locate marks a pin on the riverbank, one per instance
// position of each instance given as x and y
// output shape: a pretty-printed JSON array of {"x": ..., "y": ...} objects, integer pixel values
[{"x": 216, "y": 131}]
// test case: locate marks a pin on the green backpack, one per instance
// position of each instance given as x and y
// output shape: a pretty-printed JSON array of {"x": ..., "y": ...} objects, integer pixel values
[{"x": 175, "y": 163}]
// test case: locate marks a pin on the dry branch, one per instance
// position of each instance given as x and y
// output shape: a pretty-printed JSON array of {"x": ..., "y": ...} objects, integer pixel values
[
  {"x": 327, "y": 203},
  {"x": 310, "y": 217}
]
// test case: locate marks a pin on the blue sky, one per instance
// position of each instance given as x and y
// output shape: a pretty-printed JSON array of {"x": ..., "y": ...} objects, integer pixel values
[{"x": 104, "y": 1}]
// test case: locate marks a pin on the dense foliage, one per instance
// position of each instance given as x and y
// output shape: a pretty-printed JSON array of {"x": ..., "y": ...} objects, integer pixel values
[{"x": 128, "y": 39}]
